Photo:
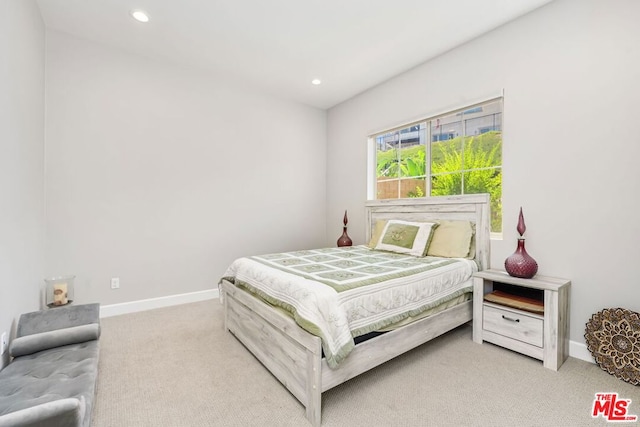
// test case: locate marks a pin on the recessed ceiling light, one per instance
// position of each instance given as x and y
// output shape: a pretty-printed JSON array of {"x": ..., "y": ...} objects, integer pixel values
[
  {"x": 140, "y": 15},
  {"x": 316, "y": 82}
]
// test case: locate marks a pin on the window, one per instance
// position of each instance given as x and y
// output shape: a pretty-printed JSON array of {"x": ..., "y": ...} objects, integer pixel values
[{"x": 459, "y": 152}]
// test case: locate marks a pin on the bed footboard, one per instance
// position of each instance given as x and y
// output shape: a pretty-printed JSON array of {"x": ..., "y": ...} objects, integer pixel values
[{"x": 293, "y": 356}]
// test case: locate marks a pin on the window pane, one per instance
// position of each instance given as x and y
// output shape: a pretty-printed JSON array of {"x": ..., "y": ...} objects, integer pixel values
[
  {"x": 413, "y": 164},
  {"x": 386, "y": 156},
  {"x": 412, "y": 151},
  {"x": 401, "y": 163},
  {"x": 387, "y": 166},
  {"x": 487, "y": 181},
  {"x": 446, "y": 184},
  {"x": 413, "y": 187},
  {"x": 446, "y": 147},
  {"x": 387, "y": 189}
]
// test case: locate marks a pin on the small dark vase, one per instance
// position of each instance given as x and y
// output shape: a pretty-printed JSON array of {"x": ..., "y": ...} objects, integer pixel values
[
  {"x": 345, "y": 240},
  {"x": 520, "y": 263}
]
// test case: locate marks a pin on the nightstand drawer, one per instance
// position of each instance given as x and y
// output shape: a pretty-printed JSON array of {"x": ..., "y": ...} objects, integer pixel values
[{"x": 513, "y": 324}]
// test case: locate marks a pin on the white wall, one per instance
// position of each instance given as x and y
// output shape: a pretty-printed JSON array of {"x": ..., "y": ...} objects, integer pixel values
[
  {"x": 162, "y": 176},
  {"x": 570, "y": 74},
  {"x": 21, "y": 161}
]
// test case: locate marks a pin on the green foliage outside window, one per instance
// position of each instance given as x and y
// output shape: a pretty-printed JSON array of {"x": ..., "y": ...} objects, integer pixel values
[
  {"x": 462, "y": 165},
  {"x": 412, "y": 159},
  {"x": 481, "y": 171}
]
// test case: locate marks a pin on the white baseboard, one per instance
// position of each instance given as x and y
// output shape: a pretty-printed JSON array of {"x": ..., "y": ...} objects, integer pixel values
[
  {"x": 150, "y": 304},
  {"x": 580, "y": 351}
]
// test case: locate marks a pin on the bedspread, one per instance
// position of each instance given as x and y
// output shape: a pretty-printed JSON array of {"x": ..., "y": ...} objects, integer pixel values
[{"x": 341, "y": 293}]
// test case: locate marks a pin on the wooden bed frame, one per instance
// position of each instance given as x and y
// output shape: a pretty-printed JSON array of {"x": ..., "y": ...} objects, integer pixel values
[{"x": 294, "y": 356}]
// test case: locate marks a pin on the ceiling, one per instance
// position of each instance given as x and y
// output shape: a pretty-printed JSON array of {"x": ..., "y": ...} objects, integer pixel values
[{"x": 279, "y": 46}]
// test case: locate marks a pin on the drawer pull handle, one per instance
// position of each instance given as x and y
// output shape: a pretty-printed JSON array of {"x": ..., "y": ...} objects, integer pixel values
[{"x": 510, "y": 319}]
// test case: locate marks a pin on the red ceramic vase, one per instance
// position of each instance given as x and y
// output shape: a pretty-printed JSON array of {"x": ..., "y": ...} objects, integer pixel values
[
  {"x": 344, "y": 240},
  {"x": 520, "y": 263}
]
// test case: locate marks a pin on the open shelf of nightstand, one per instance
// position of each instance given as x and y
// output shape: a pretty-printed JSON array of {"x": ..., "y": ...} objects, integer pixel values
[{"x": 518, "y": 300}]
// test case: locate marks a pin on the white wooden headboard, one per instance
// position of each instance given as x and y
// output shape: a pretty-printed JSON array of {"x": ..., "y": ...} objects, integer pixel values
[{"x": 472, "y": 207}]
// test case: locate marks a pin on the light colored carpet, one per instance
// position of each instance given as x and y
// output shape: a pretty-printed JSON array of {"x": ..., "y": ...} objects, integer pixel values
[{"x": 177, "y": 366}]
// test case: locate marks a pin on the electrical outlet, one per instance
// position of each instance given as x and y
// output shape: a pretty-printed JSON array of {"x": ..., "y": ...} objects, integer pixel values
[
  {"x": 115, "y": 283},
  {"x": 3, "y": 343}
]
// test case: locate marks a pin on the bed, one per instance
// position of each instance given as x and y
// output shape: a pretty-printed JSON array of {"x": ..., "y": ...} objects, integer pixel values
[{"x": 297, "y": 357}]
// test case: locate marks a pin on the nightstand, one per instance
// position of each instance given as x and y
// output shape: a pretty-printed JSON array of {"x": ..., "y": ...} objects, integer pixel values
[{"x": 530, "y": 316}]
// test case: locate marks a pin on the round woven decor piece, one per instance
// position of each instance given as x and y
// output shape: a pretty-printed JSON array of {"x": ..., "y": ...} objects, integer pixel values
[{"x": 613, "y": 338}]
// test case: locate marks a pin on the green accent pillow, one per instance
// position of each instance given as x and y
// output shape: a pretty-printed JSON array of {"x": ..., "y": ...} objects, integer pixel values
[
  {"x": 377, "y": 232},
  {"x": 452, "y": 239},
  {"x": 405, "y": 237}
]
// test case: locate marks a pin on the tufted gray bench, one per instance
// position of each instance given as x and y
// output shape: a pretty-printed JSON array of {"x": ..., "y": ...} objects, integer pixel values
[{"x": 51, "y": 380}]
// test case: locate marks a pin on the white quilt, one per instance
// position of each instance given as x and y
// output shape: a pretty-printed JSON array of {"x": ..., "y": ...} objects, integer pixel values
[{"x": 341, "y": 293}]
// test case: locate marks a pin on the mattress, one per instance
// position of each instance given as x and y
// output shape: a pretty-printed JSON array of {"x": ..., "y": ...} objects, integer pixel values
[{"x": 341, "y": 293}]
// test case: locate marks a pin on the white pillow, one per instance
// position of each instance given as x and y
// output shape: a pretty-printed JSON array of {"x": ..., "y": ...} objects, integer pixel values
[{"x": 405, "y": 237}]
